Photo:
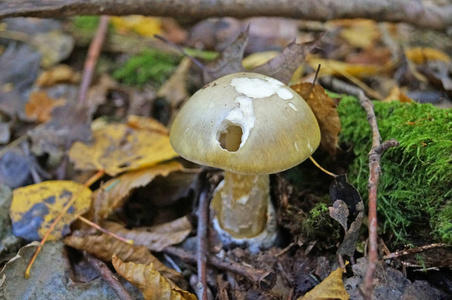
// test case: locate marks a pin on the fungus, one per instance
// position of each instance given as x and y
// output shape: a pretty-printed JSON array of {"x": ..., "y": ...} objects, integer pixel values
[{"x": 249, "y": 125}]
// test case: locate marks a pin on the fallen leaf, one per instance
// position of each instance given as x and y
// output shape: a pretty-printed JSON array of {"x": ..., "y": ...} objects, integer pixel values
[
  {"x": 36, "y": 206},
  {"x": 153, "y": 285},
  {"x": 339, "y": 212},
  {"x": 284, "y": 65},
  {"x": 116, "y": 191},
  {"x": 144, "y": 26},
  {"x": 104, "y": 246},
  {"x": 259, "y": 58},
  {"x": 396, "y": 94},
  {"x": 39, "y": 107},
  {"x": 360, "y": 33},
  {"x": 324, "y": 109},
  {"x": 58, "y": 74},
  {"x": 155, "y": 238},
  {"x": 421, "y": 55},
  {"x": 49, "y": 277},
  {"x": 331, "y": 287},
  {"x": 118, "y": 148},
  {"x": 230, "y": 59},
  {"x": 335, "y": 67},
  {"x": 149, "y": 124}
]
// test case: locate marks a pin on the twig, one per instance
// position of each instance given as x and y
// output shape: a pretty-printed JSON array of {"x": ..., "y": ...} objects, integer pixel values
[
  {"x": 417, "y": 13},
  {"x": 105, "y": 272},
  {"x": 94, "y": 225},
  {"x": 203, "y": 221},
  {"x": 74, "y": 197},
  {"x": 415, "y": 250},
  {"x": 374, "y": 174},
  {"x": 264, "y": 279},
  {"x": 91, "y": 60}
]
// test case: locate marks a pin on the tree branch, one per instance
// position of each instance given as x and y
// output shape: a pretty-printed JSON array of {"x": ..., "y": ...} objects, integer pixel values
[{"x": 413, "y": 12}]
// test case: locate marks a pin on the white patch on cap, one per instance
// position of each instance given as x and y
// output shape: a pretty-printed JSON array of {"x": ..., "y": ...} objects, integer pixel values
[
  {"x": 293, "y": 106},
  {"x": 243, "y": 115},
  {"x": 256, "y": 88}
]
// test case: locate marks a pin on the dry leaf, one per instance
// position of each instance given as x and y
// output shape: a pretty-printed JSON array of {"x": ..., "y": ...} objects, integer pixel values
[
  {"x": 335, "y": 67},
  {"x": 36, "y": 206},
  {"x": 153, "y": 285},
  {"x": 284, "y": 65},
  {"x": 118, "y": 148},
  {"x": 331, "y": 287},
  {"x": 39, "y": 107},
  {"x": 396, "y": 94},
  {"x": 420, "y": 55},
  {"x": 148, "y": 124},
  {"x": 144, "y": 26},
  {"x": 155, "y": 238},
  {"x": 104, "y": 246},
  {"x": 259, "y": 58},
  {"x": 57, "y": 74},
  {"x": 361, "y": 33},
  {"x": 339, "y": 212},
  {"x": 324, "y": 109},
  {"x": 115, "y": 192}
]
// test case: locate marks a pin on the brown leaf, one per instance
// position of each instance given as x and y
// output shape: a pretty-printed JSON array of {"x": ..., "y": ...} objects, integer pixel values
[
  {"x": 331, "y": 287},
  {"x": 324, "y": 109},
  {"x": 155, "y": 238},
  {"x": 339, "y": 212},
  {"x": 104, "y": 246},
  {"x": 229, "y": 61},
  {"x": 153, "y": 285},
  {"x": 39, "y": 106},
  {"x": 396, "y": 94},
  {"x": 284, "y": 65},
  {"x": 116, "y": 191},
  {"x": 57, "y": 74}
]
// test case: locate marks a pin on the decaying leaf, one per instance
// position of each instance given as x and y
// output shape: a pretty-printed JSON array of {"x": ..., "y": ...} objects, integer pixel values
[
  {"x": 148, "y": 124},
  {"x": 144, "y": 26},
  {"x": 36, "y": 206},
  {"x": 115, "y": 192},
  {"x": 284, "y": 65},
  {"x": 153, "y": 285},
  {"x": 40, "y": 105},
  {"x": 339, "y": 212},
  {"x": 396, "y": 94},
  {"x": 104, "y": 246},
  {"x": 331, "y": 287},
  {"x": 155, "y": 238},
  {"x": 421, "y": 55},
  {"x": 361, "y": 33},
  {"x": 324, "y": 109},
  {"x": 230, "y": 59},
  {"x": 58, "y": 74},
  {"x": 118, "y": 148},
  {"x": 335, "y": 67}
]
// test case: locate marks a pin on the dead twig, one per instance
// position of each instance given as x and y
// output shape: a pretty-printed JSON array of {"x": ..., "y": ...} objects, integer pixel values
[
  {"x": 417, "y": 13},
  {"x": 415, "y": 250},
  {"x": 111, "y": 279},
  {"x": 91, "y": 60},
  {"x": 201, "y": 257},
  {"x": 264, "y": 279},
  {"x": 374, "y": 173}
]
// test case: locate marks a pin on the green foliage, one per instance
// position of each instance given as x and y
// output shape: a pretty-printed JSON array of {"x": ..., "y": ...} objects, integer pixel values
[
  {"x": 86, "y": 23},
  {"x": 149, "y": 67},
  {"x": 319, "y": 224},
  {"x": 415, "y": 188}
]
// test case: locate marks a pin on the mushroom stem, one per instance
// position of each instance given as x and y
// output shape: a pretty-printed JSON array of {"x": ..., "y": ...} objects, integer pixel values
[{"x": 241, "y": 204}]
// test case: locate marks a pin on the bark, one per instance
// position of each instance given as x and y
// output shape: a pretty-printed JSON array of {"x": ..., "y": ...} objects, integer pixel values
[{"x": 409, "y": 11}]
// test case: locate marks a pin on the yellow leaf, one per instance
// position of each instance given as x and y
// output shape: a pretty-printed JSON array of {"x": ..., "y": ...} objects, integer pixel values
[
  {"x": 335, "y": 67},
  {"x": 155, "y": 238},
  {"x": 144, "y": 26},
  {"x": 39, "y": 106},
  {"x": 118, "y": 148},
  {"x": 104, "y": 246},
  {"x": 34, "y": 208},
  {"x": 362, "y": 33},
  {"x": 153, "y": 285},
  {"x": 258, "y": 58},
  {"x": 115, "y": 192},
  {"x": 58, "y": 74},
  {"x": 396, "y": 94},
  {"x": 144, "y": 123},
  {"x": 331, "y": 287},
  {"x": 421, "y": 55}
]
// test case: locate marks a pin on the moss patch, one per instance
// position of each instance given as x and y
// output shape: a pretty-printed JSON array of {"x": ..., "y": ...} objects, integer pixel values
[
  {"x": 149, "y": 67},
  {"x": 415, "y": 189}
]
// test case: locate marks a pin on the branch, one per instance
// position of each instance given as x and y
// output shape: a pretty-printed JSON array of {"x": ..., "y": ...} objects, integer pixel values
[
  {"x": 374, "y": 174},
  {"x": 413, "y": 12}
]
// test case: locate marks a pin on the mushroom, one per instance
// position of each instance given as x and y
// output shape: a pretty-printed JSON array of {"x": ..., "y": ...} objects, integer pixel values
[{"x": 249, "y": 125}]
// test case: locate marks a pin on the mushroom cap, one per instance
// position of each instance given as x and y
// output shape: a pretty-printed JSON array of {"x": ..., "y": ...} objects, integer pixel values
[{"x": 246, "y": 123}]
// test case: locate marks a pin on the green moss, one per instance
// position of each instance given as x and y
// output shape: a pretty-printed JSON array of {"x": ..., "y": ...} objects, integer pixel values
[
  {"x": 320, "y": 224},
  {"x": 149, "y": 67},
  {"x": 86, "y": 23},
  {"x": 415, "y": 189}
]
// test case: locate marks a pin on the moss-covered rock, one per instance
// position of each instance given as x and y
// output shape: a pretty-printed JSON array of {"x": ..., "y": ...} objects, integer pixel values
[{"x": 415, "y": 189}]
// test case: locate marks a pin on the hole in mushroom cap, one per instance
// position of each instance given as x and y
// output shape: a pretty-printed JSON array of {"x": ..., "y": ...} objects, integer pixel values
[{"x": 230, "y": 137}]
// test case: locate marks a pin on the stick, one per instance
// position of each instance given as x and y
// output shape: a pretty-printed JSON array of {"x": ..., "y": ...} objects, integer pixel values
[
  {"x": 203, "y": 221},
  {"x": 374, "y": 174}
]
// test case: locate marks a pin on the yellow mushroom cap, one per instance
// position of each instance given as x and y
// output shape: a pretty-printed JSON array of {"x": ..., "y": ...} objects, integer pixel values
[{"x": 246, "y": 123}]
